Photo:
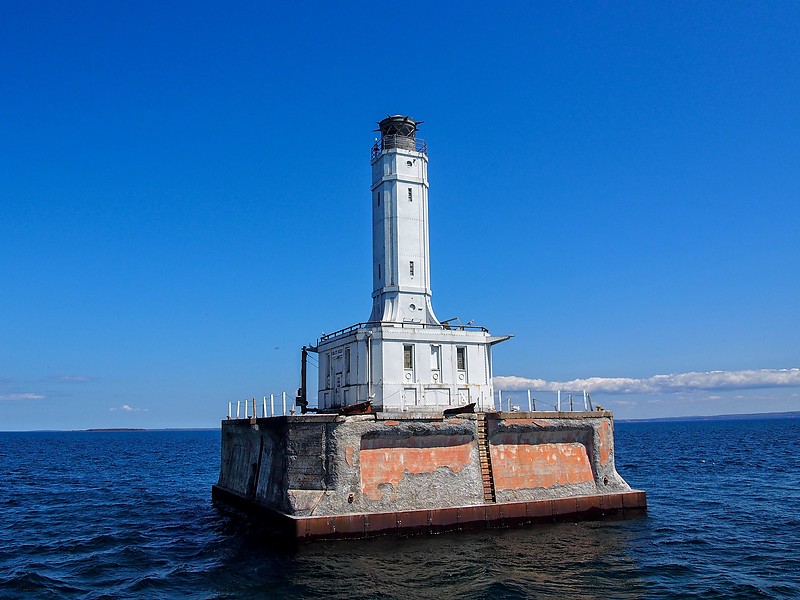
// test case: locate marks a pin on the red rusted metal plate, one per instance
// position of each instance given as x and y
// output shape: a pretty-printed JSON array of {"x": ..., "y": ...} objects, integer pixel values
[
  {"x": 633, "y": 500},
  {"x": 610, "y": 502},
  {"x": 588, "y": 504},
  {"x": 413, "y": 519},
  {"x": 380, "y": 522},
  {"x": 515, "y": 513},
  {"x": 317, "y": 526},
  {"x": 443, "y": 519},
  {"x": 564, "y": 506},
  {"x": 350, "y": 525},
  {"x": 492, "y": 514},
  {"x": 472, "y": 515},
  {"x": 539, "y": 509}
]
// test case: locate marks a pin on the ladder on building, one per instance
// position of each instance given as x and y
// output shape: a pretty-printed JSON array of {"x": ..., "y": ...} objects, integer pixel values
[{"x": 486, "y": 460}]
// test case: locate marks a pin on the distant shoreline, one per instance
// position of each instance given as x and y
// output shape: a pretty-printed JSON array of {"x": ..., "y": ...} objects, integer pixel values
[{"x": 794, "y": 414}]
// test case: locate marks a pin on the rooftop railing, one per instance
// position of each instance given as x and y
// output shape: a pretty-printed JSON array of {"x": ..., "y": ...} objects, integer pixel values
[
  {"x": 402, "y": 142},
  {"x": 446, "y": 326},
  {"x": 545, "y": 401}
]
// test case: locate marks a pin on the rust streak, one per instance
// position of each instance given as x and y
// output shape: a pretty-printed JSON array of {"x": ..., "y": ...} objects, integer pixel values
[
  {"x": 391, "y": 465},
  {"x": 527, "y": 466}
]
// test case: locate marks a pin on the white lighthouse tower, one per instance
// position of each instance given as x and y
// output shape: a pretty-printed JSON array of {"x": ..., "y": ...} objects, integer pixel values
[
  {"x": 404, "y": 358},
  {"x": 401, "y": 267}
]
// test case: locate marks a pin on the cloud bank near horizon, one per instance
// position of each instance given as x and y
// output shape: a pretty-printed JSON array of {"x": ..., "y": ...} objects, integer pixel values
[{"x": 659, "y": 384}]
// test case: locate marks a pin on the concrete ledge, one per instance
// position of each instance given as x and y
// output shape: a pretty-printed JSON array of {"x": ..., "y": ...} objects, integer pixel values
[{"x": 486, "y": 516}]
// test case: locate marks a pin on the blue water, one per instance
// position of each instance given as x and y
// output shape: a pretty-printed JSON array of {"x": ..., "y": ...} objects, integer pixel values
[{"x": 128, "y": 514}]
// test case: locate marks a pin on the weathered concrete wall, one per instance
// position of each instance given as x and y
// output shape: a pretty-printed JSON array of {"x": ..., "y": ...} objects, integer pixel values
[
  {"x": 553, "y": 455},
  {"x": 318, "y": 465}
]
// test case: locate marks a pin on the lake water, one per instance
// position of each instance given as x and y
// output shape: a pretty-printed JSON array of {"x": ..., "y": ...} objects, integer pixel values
[{"x": 128, "y": 514}]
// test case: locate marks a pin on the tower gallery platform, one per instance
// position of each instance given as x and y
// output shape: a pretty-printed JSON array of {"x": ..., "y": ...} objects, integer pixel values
[{"x": 406, "y": 437}]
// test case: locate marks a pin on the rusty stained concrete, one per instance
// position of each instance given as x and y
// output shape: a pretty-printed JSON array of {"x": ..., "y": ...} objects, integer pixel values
[{"x": 318, "y": 465}]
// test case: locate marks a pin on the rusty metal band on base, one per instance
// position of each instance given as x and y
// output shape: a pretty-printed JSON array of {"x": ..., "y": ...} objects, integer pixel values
[{"x": 439, "y": 520}]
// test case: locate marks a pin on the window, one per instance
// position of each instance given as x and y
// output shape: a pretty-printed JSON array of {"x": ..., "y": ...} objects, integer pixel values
[
  {"x": 379, "y": 270},
  {"x": 379, "y": 198},
  {"x": 461, "y": 359},
  {"x": 411, "y": 267},
  {"x": 408, "y": 357},
  {"x": 410, "y": 195},
  {"x": 436, "y": 362}
]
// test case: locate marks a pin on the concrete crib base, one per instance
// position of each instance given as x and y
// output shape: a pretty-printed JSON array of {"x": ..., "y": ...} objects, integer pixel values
[{"x": 432, "y": 521}]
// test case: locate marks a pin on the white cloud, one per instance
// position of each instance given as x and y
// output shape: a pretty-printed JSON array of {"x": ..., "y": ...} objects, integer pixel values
[
  {"x": 127, "y": 408},
  {"x": 657, "y": 384},
  {"x": 25, "y": 396}
]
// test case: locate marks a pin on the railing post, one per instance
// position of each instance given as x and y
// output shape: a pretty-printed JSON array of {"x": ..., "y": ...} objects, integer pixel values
[
  {"x": 272, "y": 405},
  {"x": 500, "y": 399},
  {"x": 283, "y": 394},
  {"x": 585, "y": 405},
  {"x": 264, "y": 407},
  {"x": 246, "y": 416},
  {"x": 529, "y": 401},
  {"x": 230, "y": 409},
  {"x": 559, "y": 401},
  {"x": 238, "y": 403}
]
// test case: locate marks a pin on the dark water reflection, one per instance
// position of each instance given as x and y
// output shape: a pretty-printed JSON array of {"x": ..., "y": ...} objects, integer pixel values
[{"x": 578, "y": 560}]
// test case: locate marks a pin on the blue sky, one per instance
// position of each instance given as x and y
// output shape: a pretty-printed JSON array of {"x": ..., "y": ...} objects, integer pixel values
[{"x": 184, "y": 197}]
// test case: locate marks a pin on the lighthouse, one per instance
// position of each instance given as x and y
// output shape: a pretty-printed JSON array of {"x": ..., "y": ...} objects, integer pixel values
[
  {"x": 403, "y": 359},
  {"x": 405, "y": 437}
]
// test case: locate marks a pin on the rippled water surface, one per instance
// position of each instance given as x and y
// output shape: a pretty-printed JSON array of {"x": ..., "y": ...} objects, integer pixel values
[{"x": 128, "y": 514}]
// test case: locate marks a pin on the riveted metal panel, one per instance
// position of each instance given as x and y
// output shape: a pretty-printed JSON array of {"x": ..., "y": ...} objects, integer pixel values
[{"x": 611, "y": 502}]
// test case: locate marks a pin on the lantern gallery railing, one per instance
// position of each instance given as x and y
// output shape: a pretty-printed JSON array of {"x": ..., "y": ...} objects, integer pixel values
[{"x": 402, "y": 142}]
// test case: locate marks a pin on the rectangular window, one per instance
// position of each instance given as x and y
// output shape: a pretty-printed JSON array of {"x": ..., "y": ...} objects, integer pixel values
[
  {"x": 461, "y": 359},
  {"x": 379, "y": 198},
  {"x": 436, "y": 361},
  {"x": 347, "y": 365},
  {"x": 411, "y": 267},
  {"x": 410, "y": 195},
  {"x": 379, "y": 271},
  {"x": 408, "y": 357}
]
